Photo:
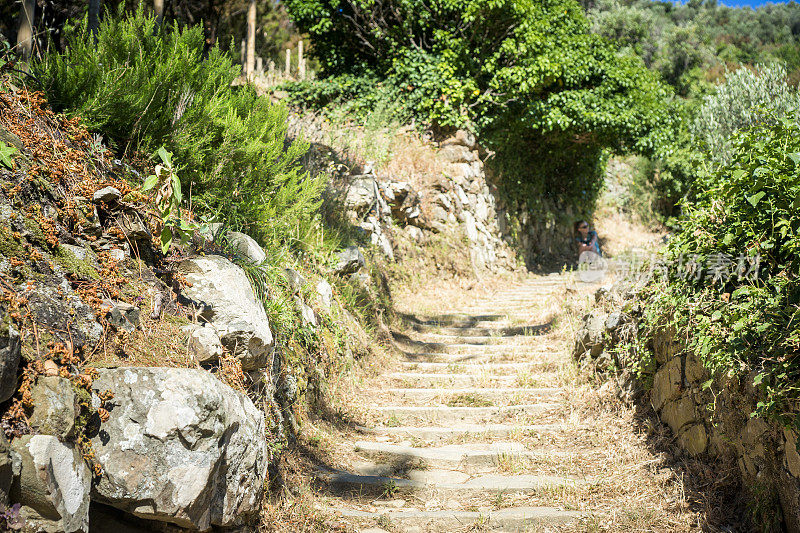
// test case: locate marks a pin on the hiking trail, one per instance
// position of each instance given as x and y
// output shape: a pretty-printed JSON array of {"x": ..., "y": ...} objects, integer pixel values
[{"x": 481, "y": 425}]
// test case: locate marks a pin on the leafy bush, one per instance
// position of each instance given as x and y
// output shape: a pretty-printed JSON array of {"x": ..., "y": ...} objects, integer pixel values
[
  {"x": 745, "y": 99},
  {"x": 739, "y": 309},
  {"x": 528, "y": 76},
  {"x": 147, "y": 86}
]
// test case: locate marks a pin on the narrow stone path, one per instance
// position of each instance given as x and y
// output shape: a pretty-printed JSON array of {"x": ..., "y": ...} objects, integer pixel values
[{"x": 473, "y": 428}]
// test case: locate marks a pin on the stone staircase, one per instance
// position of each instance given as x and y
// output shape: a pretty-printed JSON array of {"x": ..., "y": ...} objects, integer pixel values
[{"x": 463, "y": 432}]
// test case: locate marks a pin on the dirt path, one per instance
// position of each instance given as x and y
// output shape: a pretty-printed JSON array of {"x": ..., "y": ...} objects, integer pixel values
[{"x": 484, "y": 424}]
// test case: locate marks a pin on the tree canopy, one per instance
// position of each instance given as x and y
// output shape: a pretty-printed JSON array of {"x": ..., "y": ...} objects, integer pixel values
[{"x": 527, "y": 74}]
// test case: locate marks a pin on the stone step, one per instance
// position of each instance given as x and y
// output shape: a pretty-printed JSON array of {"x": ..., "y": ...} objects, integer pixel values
[
  {"x": 545, "y": 358},
  {"x": 441, "y": 414},
  {"x": 426, "y": 396},
  {"x": 440, "y": 481},
  {"x": 450, "y": 456},
  {"x": 483, "y": 379},
  {"x": 509, "y": 519},
  {"x": 467, "y": 332},
  {"x": 455, "y": 319},
  {"x": 477, "y": 367},
  {"x": 478, "y": 349},
  {"x": 477, "y": 340},
  {"x": 431, "y": 433}
]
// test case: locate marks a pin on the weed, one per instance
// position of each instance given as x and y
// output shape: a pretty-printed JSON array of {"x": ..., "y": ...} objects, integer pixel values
[{"x": 468, "y": 400}]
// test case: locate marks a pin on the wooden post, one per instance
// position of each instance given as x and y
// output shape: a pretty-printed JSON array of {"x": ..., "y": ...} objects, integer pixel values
[
  {"x": 259, "y": 65},
  {"x": 158, "y": 8},
  {"x": 25, "y": 32},
  {"x": 94, "y": 18},
  {"x": 301, "y": 61},
  {"x": 288, "y": 70},
  {"x": 251, "y": 39}
]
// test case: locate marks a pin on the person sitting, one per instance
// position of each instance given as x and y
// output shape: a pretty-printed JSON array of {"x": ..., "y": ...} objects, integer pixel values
[{"x": 587, "y": 239}]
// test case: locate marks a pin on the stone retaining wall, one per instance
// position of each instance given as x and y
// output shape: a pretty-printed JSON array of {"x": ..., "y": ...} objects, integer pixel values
[{"x": 709, "y": 417}]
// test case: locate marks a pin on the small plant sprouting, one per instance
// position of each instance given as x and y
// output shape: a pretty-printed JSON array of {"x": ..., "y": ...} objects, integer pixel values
[
  {"x": 7, "y": 155},
  {"x": 168, "y": 202}
]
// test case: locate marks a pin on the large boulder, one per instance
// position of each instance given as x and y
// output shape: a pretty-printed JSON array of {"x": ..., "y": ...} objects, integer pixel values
[
  {"x": 9, "y": 357},
  {"x": 53, "y": 486},
  {"x": 224, "y": 292},
  {"x": 180, "y": 446}
]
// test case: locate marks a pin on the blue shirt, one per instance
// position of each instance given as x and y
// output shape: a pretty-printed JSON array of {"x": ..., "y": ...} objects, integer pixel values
[{"x": 588, "y": 241}]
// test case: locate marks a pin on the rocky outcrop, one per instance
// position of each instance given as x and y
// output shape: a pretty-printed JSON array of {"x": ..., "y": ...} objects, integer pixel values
[
  {"x": 223, "y": 293},
  {"x": 53, "y": 485},
  {"x": 180, "y": 447}
]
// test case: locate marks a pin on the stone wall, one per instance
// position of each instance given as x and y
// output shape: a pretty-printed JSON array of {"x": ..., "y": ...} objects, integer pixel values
[
  {"x": 464, "y": 198},
  {"x": 709, "y": 417},
  {"x": 459, "y": 201}
]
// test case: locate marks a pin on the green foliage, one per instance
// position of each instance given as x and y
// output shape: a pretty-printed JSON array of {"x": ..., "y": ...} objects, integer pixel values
[
  {"x": 745, "y": 323},
  {"x": 745, "y": 99},
  {"x": 7, "y": 155},
  {"x": 168, "y": 202},
  {"x": 689, "y": 44},
  {"x": 146, "y": 85},
  {"x": 541, "y": 91}
]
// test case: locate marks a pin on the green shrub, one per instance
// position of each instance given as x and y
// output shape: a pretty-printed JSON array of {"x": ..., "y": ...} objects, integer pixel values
[
  {"x": 147, "y": 86},
  {"x": 745, "y": 320},
  {"x": 746, "y": 98}
]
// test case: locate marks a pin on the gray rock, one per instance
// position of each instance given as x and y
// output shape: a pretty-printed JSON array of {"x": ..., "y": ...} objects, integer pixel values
[
  {"x": 589, "y": 339},
  {"x": 306, "y": 313},
  {"x": 325, "y": 293},
  {"x": 78, "y": 251},
  {"x": 9, "y": 356},
  {"x": 453, "y": 153},
  {"x": 134, "y": 225},
  {"x": 414, "y": 232},
  {"x": 107, "y": 195},
  {"x": 54, "y": 482},
  {"x": 461, "y": 138},
  {"x": 246, "y": 247},
  {"x": 439, "y": 214},
  {"x": 295, "y": 280},
  {"x": 470, "y": 226},
  {"x": 224, "y": 292},
  {"x": 57, "y": 307},
  {"x": 123, "y": 316},
  {"x": 55, "y": 407},
  {"x": 350, "y": 260},
  {"x": 361, "y": 194},
  {"x": 205, "y": 344},
  {"x": 116, "y": 254},
  {"x": 180, "y": 447},
  {"x": 6, "y": 469}
]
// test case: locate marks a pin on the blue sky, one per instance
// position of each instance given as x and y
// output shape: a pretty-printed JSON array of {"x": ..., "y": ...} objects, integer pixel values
[{"x": 743, "y": 3}]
